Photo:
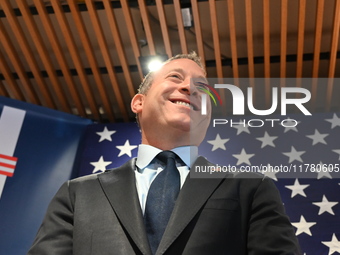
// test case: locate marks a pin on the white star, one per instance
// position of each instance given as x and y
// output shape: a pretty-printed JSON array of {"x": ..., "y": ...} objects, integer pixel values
[
  {"x": 267, "y": 140},
  {"x": 337, "y": 151},
  {"x": 105, "y": 134},
  {"x": 100, "y": 165},
  {"x": 335, "y": 121},
  {"x": 269, "y": 172},
  {"x": 126, "y": 149},
  {"x": 317, "y": 137},
  {"x": 303, "y": 226},
  {"x": 218, "y": 143},
  {"x": 323, "y": 170},
  {"x": 297, "y": 189},
  {"x": 243, "y": 157},
  {"x": 294, "y": 155},
  {"x": 334, "y": 245},
  {"x": 241, "y": 128},
  {"x": 325, "y": 205},
  {"x": 290, "y": 122}
]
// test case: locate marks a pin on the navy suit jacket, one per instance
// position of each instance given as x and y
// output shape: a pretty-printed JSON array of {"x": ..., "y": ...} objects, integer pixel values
[{"x": 101, "y": 214}]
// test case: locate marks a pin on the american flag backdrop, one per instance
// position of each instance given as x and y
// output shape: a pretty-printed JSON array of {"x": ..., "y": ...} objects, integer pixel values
[
  {"x": 38, "y": 148},
  {"x": 312, "y": 203}
]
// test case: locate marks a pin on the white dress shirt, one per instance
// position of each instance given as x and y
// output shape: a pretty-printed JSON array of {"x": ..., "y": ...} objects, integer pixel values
[{"x": 148, "y": 167}]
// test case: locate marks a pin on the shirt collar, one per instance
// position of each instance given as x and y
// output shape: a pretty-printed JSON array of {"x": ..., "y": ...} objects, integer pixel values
[{"x": 146, "y": 153}]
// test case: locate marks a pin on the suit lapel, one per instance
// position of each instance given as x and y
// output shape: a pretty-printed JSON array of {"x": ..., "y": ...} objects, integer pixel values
[
  {"x": 119, "y": 185},
  {"x": 195, "y": 192}
]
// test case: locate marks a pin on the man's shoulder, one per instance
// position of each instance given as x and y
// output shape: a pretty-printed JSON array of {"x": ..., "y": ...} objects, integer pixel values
[{"x": 94, "y": 177}]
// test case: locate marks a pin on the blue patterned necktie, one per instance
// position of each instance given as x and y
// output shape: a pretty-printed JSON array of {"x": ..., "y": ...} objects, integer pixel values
[{"x": 161, "y": 199}]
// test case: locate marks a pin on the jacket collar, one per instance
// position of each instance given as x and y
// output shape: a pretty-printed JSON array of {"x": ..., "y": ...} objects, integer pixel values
[{"x": 119, "y": 186}]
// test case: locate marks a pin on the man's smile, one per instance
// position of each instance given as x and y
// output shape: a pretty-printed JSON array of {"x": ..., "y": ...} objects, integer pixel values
[{"x": 185, "y": 103}]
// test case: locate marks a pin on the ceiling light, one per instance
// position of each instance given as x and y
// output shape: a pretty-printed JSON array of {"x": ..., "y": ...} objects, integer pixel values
[
  {"x": 151, "y": 63},
  {"x": 154, "y": 65}
]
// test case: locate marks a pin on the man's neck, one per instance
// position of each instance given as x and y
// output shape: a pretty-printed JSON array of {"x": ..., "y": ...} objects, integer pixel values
[
  {"x": 166, "y": 141},
  {"x": 164, "y": 145}
]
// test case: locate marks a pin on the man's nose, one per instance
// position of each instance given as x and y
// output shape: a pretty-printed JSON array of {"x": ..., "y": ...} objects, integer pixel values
[{"x": 189, "y": 88}]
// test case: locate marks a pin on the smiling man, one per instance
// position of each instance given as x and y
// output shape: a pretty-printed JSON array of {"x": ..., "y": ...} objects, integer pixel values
[
  {"x": 171, "y": 104},
  {"x": 150, "y": 205}
]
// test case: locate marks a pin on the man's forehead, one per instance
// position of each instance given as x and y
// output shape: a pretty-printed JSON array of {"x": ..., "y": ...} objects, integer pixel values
[{"x": 181, "y": 66}]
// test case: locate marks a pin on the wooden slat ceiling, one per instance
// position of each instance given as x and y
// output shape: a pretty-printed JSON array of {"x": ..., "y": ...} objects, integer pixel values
[{"x": 81, "y": 56}]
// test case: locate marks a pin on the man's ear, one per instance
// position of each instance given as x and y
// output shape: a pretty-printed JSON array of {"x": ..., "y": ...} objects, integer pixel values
[{"x": 137, "y": 103}]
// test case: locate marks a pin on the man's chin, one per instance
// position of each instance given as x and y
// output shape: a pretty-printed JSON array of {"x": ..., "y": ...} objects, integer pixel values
[{"x": 183, "y": 127}]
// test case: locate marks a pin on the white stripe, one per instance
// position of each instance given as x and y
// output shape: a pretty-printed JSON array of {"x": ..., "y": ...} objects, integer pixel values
[
  {"x": 2, "y": 182},
  {"x": 7, "y": 161},
  {"x": 10, "y": 126},
  {"x": 204, "y": 104},
  {"x": 6, "y": 169}
]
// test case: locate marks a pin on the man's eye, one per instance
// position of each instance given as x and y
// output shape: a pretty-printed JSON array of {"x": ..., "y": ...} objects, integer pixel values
[
  {"x": 175, "y": 76},
  {"x": 202, "y": 84}
]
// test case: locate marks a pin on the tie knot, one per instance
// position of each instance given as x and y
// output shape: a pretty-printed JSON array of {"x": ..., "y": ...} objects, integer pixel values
[{"x": 165, "y": 155}]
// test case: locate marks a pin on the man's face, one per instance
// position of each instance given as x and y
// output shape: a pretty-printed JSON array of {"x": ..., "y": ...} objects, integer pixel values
[{"x": 173, "y": 103}]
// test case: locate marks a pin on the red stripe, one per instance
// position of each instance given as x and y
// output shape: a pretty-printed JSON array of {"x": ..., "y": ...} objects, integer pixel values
[
  {"x": 7, "y": 165},
  {"x": 8, "y": 157},
  {"x": 6, "y": 173}
]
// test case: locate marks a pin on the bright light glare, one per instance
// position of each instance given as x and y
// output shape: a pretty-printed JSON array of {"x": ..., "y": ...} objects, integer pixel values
[{"x": 154, "y": 65}]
